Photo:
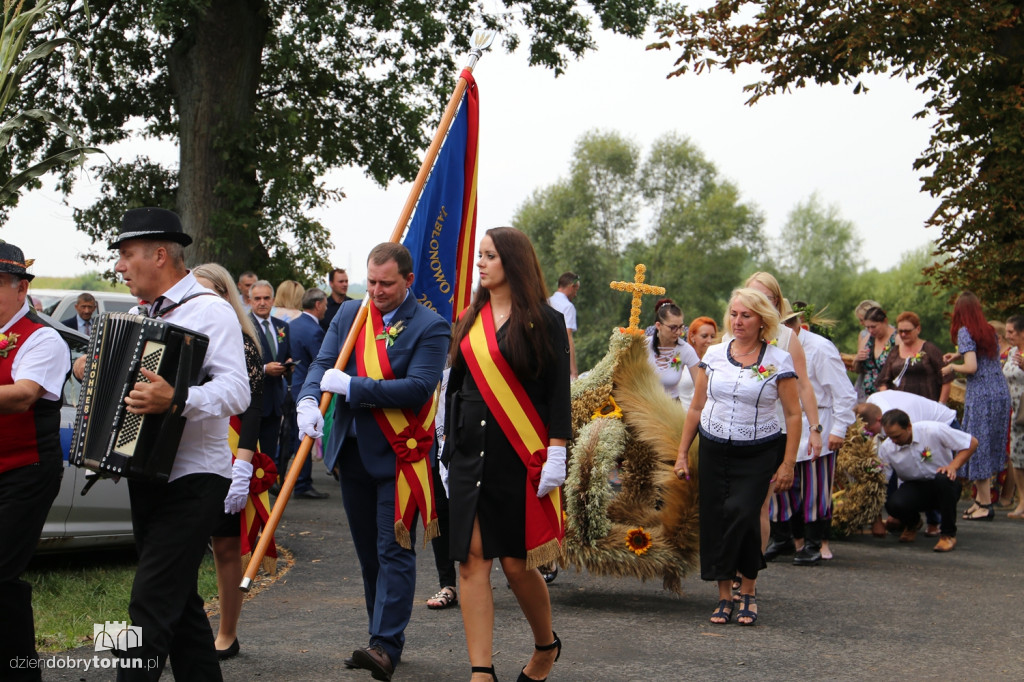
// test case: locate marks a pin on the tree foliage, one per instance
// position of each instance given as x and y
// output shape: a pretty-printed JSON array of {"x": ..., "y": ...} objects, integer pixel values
[
  {"x": 29, "y": 35},
  {"x": 265, "y": 96},
  {"x": 966, "y": 58},
  {"x": 818, "y": 254},
  {"x": 669, "y": 210}
]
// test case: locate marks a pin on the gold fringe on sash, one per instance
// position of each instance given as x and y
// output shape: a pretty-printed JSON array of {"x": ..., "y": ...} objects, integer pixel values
[
  {"x": 402, "y": 533},
  {"x": 269, "y": 563},
  {"x": 547, "y": 553}
]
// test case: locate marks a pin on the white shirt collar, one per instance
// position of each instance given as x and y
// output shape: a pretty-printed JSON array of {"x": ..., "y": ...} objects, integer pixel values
[{"x": 17, "y": 316}]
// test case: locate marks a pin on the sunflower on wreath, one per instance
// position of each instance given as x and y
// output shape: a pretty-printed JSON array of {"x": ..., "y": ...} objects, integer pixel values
[{"x": 638, "y": 540}]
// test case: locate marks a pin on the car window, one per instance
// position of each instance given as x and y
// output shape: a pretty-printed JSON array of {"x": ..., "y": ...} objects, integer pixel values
[
  {"x": 72, "y": 387},
  {"x": 118, "y": 306}
]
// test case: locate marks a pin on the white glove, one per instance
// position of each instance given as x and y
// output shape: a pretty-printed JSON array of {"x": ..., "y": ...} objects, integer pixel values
[
  {"x": 443, "y": 471},
  {"x": 238, "y": 493},
  {"x": 309, "y": 419},
  {"x": 335, "y": 381},
  {"x": 552, "y": 474}
]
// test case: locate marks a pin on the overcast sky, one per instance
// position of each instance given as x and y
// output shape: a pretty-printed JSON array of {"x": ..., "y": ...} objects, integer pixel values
[{"x": 857, "y": 152}]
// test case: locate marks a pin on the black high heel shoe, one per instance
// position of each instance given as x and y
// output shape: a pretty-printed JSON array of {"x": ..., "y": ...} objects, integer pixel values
[
  {"x": 489, "y": 670},
  {"x": 557, "y": 644}
]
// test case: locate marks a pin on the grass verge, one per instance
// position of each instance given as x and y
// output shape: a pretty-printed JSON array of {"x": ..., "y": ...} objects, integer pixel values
[{"x": 71, "y": 592}]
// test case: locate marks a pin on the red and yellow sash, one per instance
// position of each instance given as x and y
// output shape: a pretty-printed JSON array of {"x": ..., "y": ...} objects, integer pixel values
[
  {"x": 508, "y": 402},
  {"x": 257, "y": 507},
  {"x": 410, "y": 434}
]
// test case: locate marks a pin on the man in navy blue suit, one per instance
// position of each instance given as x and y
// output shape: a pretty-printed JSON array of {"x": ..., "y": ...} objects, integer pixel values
[
  {"x": 85, "y": 306},
  {"x": 276, "y": 347},
  {"x": 306, "y": 337},
  {"x": 416, "y": 341}
]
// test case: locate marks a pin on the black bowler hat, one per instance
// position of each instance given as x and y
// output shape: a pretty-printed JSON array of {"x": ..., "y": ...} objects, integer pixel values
[
  {"x": 151, "y": 223},
  {"x": 12, "y": 261}
]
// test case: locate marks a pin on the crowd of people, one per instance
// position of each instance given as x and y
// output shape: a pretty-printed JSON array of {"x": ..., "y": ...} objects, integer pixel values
[{"x": 766, "y": 398}]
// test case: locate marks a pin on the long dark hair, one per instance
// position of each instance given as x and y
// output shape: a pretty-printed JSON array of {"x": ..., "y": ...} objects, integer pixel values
[
  {"x": 967, "y": 313},
  {"x": 528, "y": 346}
]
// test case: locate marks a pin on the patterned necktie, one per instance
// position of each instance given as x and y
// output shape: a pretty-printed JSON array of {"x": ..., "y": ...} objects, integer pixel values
[
  {"x": 87, "y": 328},
  {"x": 269, "y": 332},
  {"x": 154, "y": 309}
]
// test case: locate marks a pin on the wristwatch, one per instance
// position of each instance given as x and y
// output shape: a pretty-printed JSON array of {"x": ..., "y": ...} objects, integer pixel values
[{"x": 817, "y": 428}]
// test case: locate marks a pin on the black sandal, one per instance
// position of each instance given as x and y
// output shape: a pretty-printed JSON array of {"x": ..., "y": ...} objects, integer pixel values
[
  {"x": 745, "y": 612},
  {"x": 724, "y": 611},
  {"x": 557, "y": 644},
  {"x": 481, "y": 669}
]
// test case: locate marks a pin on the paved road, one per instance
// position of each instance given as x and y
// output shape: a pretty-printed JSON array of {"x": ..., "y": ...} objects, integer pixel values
[{"x": 878, "y": 611}]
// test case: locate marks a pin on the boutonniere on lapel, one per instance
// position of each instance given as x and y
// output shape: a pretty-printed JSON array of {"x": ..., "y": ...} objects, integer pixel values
[
  {"x": 762, "y": 372},
  {"x": 926, "y": 455},
  {"x": 8, "y": 342},
  {"x": 280, "y": 334},
  {"x": 675, "y": 362},
  {"x": 390, "y": 333},
  {"x": 914, "y": 359}
]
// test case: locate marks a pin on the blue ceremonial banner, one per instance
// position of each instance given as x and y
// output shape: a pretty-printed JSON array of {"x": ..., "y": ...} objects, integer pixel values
[{"x": 442, "y": 232}]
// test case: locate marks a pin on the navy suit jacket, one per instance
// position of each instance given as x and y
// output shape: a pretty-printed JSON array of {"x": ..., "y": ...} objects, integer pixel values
[
  {"x": 275, "y": 389},
  {"x": 417, "y": 359},
  {"x": 306, "y": 337},
  {"x": 71, "y": 322}
]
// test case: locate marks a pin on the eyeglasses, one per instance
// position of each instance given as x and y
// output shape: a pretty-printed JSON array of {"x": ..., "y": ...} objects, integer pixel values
[
  {"x": 905, "y": 331},
  {"x": 674, "y": 328}
]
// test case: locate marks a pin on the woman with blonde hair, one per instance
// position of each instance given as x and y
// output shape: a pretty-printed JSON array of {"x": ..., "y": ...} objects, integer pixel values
[
  {"x": 226, "y": 537},
  {"x": 743, "y": 448},
  {"x": 288, "y": 302},
  {"x": 786, "y": 340}
]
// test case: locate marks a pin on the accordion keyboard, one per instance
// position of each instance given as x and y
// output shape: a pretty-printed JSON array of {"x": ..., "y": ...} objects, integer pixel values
[{"x": 128, "y": 438}]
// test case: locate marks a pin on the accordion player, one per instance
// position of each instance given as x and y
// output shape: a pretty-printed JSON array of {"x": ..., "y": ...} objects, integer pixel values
[{"x": 107, "y": 438}]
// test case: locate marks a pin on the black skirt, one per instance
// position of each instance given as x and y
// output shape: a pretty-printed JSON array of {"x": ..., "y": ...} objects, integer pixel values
[{"x": 733, "y": 486}]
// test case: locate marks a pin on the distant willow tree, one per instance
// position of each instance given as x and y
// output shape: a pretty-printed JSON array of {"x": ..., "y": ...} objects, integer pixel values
[
  {"x": 967, "y": 57},
  {"x": 669, "y": 210},
  {"x": 263, "y": 97}
]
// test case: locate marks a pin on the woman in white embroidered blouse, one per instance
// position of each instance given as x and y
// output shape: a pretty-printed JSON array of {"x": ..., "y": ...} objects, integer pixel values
[
  {"x": 668, "y": 352},
  {"x": 742, "y": 449}
]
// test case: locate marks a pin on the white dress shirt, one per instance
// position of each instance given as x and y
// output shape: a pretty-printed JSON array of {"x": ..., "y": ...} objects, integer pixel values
[
  {"x": 562, "y": 304},
  {"x": 832, "y": 387},
  {"x": 940, "y": 440},
  {"x": 917, "y": 407},
  {"x": 43, "y": 358},
  {"x": 204, "y": 442}
]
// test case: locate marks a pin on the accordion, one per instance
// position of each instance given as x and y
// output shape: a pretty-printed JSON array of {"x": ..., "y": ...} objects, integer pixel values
[{"x": 109, "y": 439}]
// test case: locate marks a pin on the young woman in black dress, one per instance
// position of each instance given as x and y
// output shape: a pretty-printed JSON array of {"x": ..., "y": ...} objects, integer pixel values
[{"x": 507, "y": 424}]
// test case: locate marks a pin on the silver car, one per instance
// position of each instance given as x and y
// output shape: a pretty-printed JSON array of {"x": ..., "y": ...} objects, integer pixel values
[{"x": 102, "y": 518}]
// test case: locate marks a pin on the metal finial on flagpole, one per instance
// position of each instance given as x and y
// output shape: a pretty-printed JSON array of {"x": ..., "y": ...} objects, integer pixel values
[{"x": 481, "y": 40}]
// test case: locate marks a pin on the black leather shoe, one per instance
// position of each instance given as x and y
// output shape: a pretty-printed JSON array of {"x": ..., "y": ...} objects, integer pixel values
[
  {"x": 230, "y": 652},
  {"x": 776, "y": 549},
  {"x": 350, "y": 663},
  {"x": 312, "y": 494},
  {"x": 376, "y": 660}
]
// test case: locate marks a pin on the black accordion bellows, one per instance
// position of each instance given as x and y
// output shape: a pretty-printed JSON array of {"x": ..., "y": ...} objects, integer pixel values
[{"x": 108, "y": 438}]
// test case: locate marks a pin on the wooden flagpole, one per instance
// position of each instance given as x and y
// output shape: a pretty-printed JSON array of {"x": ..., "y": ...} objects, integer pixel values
[{"x": 481, "y": 41}]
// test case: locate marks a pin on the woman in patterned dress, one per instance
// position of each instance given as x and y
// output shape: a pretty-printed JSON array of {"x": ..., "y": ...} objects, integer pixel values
[
  {"x": 987, "y": 400},
  {"x": 1013, "y": 370},
  {"x": 875, "y": 351}
]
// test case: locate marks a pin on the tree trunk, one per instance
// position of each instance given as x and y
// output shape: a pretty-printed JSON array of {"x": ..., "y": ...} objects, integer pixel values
[{"x": 214, "y": 73}]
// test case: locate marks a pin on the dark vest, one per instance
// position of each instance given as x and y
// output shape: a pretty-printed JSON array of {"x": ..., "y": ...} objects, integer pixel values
[{"x": 34, "y": 435}]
